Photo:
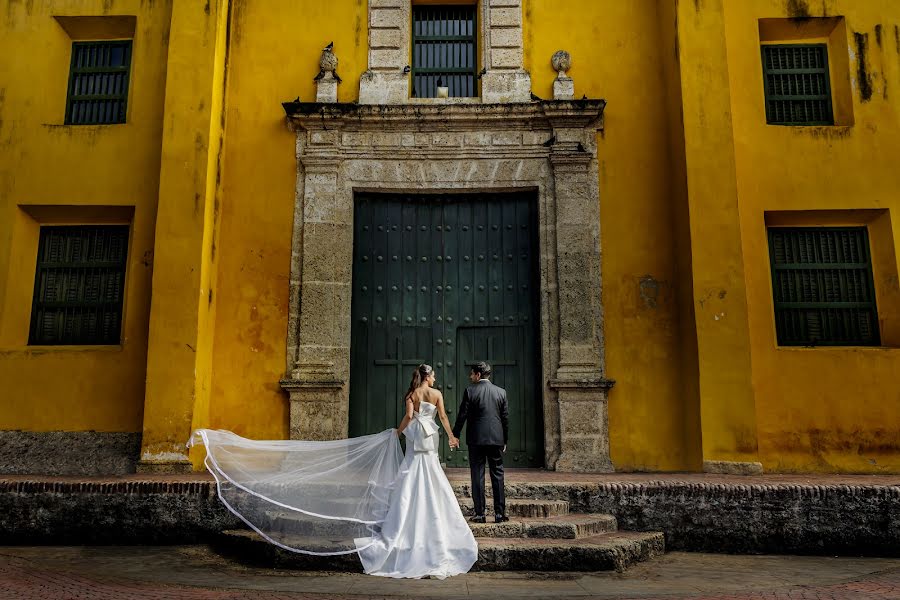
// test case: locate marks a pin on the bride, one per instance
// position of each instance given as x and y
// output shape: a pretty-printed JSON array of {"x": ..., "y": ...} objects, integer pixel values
[{"x": 359, "y": 495}]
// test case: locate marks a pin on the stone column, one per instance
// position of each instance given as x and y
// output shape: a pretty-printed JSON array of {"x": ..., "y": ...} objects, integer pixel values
[
  {"x": 318, "y": 382},
  {"x": 505, "y": 79},
  {"x": 580, "y": 382}
]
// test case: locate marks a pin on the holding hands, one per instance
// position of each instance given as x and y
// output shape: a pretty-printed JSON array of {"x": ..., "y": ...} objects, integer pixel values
[{"x": 453, "y": 441}]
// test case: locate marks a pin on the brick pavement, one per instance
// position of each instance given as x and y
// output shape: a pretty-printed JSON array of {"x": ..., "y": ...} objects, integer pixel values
[{"x": 140, "y": 573}]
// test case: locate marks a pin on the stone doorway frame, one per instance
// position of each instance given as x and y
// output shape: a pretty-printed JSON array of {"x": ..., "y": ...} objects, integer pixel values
[{"x": 546, "y": 147}]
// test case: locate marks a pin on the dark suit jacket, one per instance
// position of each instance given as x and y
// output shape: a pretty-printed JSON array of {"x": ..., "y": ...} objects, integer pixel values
[{"x": 484, "y": 406}]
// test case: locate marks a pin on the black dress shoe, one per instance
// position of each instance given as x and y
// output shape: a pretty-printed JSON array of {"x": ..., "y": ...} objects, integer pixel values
[
  {"x": 501, "y": 519},
  {"x": 478, "y": 520}
]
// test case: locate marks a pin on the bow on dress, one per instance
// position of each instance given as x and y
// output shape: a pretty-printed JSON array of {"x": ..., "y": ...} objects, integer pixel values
[{"x": 425, "y": 440}]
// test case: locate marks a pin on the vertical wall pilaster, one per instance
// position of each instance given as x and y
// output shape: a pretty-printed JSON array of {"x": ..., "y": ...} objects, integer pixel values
[
  {"x": 727, "y": 406},
  {"x": 505, "y": 79},
  {"x": 580, "y": 380},
  {"x": 389, "y": 44},
  {"x": 182, "y": 312}
]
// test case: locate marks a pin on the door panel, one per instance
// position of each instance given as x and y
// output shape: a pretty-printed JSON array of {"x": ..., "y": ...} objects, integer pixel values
[{"x": 447, "y": 280}]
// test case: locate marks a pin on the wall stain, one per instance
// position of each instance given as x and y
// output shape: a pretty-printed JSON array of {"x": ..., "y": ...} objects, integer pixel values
[
  {"x": 878, "y": 35},
  {"x": 357, "y": 27},
  {"x": 649, "y": 289},
  {"x": 862, "y": 71},
  {"x": 236, "y": 20},
  {"x": 698, "y": 5},
  {"x": 897, "y": 37},
  {"x": 829, "y": 133},
  {"x": 797, "y": 9}
]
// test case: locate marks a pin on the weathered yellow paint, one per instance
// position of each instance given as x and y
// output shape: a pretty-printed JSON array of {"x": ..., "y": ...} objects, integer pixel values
[
  {"x": 648, "y": 406},
  {"x": 690, "y": 175},
  {"x": 53, "y": 173},
  {"x": 258, "y": 196},
  {"x": 822, "y": 409},
  {"x": 183, "y": 311}
]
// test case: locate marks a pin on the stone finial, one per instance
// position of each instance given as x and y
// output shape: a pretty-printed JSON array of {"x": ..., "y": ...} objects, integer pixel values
[
  {"x": 563, "y": 86},
  {"x": 327, "y": 80},
  {"x": 562, "y": 62}
]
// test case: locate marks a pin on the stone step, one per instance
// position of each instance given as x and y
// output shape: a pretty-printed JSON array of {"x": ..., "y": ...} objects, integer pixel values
[
  {"x": 564, "y": 527},
  {"x": 521, "y": 508},
  {"x": 604, "y": 552}
]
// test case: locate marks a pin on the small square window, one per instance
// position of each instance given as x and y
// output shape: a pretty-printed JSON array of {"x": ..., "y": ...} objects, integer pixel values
[
  {"x": 797, "y": 86},
  {"x": 444, "y": 50},
  {"x": 823, "y": 287},
  {"x": 98, "y": 82},
  {"x": 79, "y": 285}
]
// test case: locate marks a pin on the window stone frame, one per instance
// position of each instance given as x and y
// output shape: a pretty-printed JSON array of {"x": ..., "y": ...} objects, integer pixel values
[{"x": 505, "y": 79}]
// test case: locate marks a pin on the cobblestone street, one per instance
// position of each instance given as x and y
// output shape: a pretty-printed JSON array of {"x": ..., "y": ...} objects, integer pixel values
[{"x": 193, "y": 572}]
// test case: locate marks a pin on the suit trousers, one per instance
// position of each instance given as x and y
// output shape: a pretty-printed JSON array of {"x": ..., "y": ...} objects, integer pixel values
[{"x": 493, "y": 455}]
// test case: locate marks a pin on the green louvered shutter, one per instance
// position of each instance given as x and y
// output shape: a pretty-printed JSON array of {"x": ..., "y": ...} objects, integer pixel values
[
  {"x": 98, "y": 83},
  {"x": 79, "y": 285},
  {"x": 823, "y": 286},
  {"x": 797, "y": 85}
]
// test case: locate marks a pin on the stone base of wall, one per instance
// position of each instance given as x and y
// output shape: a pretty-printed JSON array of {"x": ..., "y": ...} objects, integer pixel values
[
  {"x": 68, "y": 452},
  {"x": 126, "y": 512},
  {"x": 707, "y": 517},
  {"x": 850, "y": 520}
]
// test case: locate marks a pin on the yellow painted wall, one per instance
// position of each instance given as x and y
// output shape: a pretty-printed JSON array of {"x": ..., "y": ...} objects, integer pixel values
[
  {"x": 822, "y": 409},
  {"x": 227, "y": 300},
  {"x": 649, "y": 411},
  {"x": 648, "y": 407},
  {"x": 274, "y": 56},
  {"x": 44, "y": 163}
]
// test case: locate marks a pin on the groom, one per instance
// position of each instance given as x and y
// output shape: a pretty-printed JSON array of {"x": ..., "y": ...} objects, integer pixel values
[{"x": 484, "y": 406}]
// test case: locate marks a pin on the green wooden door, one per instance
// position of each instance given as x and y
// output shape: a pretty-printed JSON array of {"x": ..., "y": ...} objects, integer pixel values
[{"x": 448, "y": 280}]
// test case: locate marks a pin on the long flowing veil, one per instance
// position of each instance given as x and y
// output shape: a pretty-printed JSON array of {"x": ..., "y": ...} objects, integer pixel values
[{"x": 323, "y": 498}]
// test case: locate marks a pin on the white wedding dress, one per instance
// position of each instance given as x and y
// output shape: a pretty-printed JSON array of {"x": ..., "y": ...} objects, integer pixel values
[
  {"x": 359, "y": 495},
  {"x": 424, "y": 532}
]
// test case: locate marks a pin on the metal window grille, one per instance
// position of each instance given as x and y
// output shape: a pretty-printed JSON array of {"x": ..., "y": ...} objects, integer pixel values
[
  {"x": 79, "y": 285},
  {"x": 98, "y": 82},
  {"x": 797, "y": 86},
  {"x": 444, "y": 50},
  {"x": 823, "y": 286}
]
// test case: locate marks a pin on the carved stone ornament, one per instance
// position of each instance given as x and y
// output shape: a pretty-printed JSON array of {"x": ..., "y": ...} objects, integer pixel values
[
  {"x": 561, "y": 62},
  {"x": 327, "y": 79}
]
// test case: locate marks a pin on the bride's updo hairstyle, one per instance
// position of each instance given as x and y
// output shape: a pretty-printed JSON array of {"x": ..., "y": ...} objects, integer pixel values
[{"x": 419, "y": 375}]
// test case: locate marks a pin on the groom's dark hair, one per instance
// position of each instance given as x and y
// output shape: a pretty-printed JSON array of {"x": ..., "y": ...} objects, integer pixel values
[{"x": 483, "y": 369}]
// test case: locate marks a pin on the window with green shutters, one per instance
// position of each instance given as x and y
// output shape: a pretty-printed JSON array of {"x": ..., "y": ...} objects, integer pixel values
[
  {"x": 823, "y": 286},
  {"x": 98, "y": 82},
  {"x": 797, "y": 86},
  {"x": 79, "y": 285},
  {"x": 444, "y": 50}
]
